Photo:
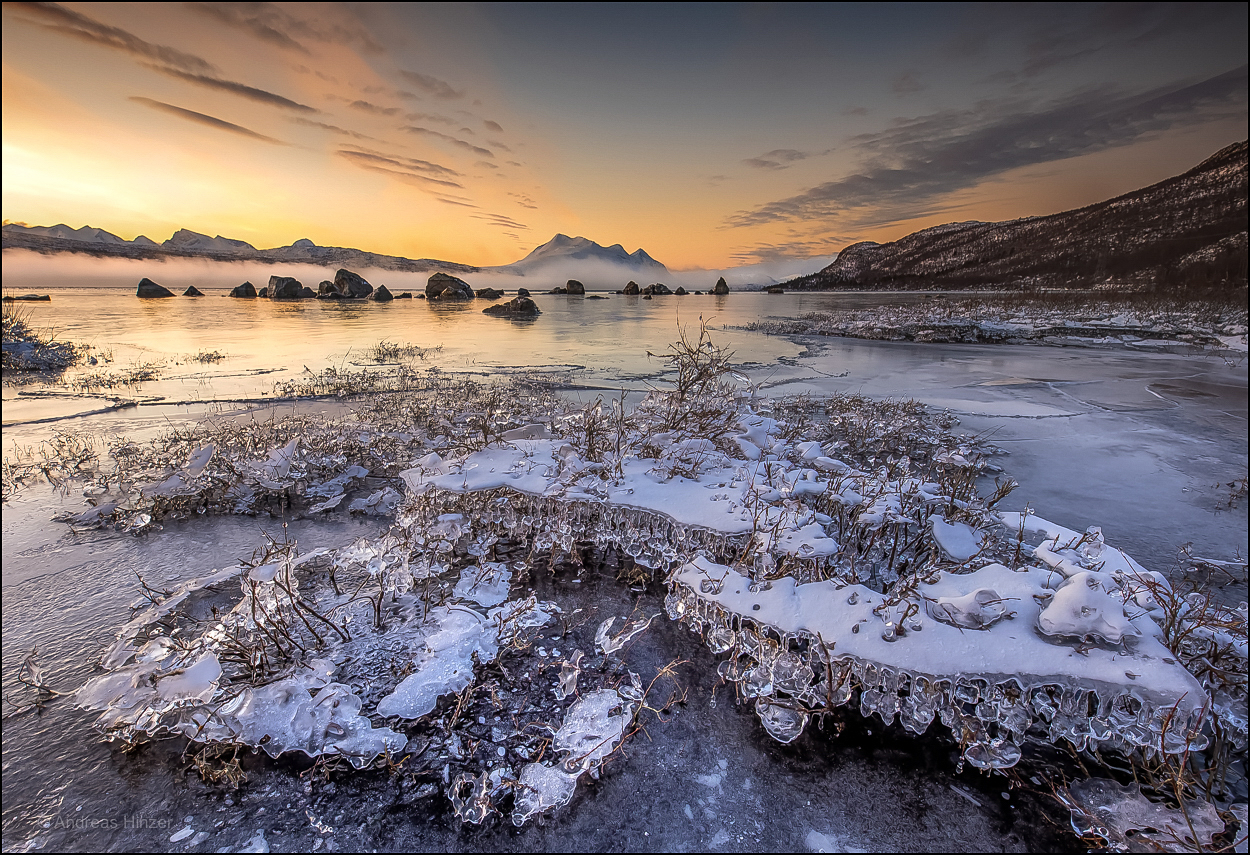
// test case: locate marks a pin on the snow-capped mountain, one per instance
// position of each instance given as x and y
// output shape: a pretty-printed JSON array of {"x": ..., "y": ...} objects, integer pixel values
[
  {"x": 87, "y": 234},
  {"x": 185, "y": 239},
  {"x": 566, "y": 253},
  {"x": 188, "y": 244}
]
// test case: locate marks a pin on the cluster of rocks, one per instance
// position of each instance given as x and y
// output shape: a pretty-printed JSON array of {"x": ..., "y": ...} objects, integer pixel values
[
  {"x": 440, "y": 288},
  {"x": 659, "y": 289},
  {"x": 346, "y": 286}
]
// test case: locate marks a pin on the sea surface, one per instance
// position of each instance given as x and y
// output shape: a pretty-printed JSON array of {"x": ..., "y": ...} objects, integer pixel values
[{"x": 1144, "y": 444}]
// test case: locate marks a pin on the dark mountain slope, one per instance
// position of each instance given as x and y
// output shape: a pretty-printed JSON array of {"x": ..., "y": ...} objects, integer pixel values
[{"x": 1184, "y": 235}]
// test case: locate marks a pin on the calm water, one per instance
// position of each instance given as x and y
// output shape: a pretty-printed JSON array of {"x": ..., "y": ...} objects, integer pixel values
[{"x": 1141, "y": 443}]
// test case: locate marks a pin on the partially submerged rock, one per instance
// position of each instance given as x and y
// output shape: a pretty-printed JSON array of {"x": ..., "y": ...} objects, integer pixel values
[
  {"x": 148, "y": 288},
  {"x": 381, "y": 295},
  {"x": 284, "y": 288},
  {"x": 722, "y": 287},
  {"x": 658, "y": 288},
  {"x": 489, "y": 293},
  {"x": 574, "y": 287},
  {"x": 352, "y": 284},
  {"x": 444, "y": 287},
  {"x": 631, "y": 288},
  {"x": 247, "y": 289},
  {"x": 517, "y": 307},
  {"x": 192, "y": 292}
]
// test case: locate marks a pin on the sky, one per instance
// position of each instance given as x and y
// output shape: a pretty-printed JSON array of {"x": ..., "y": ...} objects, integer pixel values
[{"x": 709, "y": 135}]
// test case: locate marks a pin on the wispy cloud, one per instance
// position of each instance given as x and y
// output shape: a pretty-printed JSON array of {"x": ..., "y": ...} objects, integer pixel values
[
  {"x": 798, "y": 247},
  {"x": 433, "y": 173},
  {"x": 431, "y": 85},
  {"x": 907, "y": 83},
  {"x": 502, "y": 221},
  {"x": 459, "y": 143},
  {"x": 242, "y": 90},
  {"x": 300, "y": 120},
  {"x": 280, "y": 26},
  {"x": 917, "y": 161},
  {"x": 59, "y": 19},
  {"x": 778, "y": 158},
  {"x": 375, "y": 109},
  {"x": 204, "y": 119}
]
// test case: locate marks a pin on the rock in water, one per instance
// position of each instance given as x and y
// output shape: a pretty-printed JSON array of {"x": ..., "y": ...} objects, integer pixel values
[
  {"x": 631, "y": 288},
  {"x": 658, "y": 288},
  {"x": 381, "y": 295},
  {"x": 681, "y": 292},
  {"x": 489, "y": 293},
  {"x": 407, "y": 295},
  {"x": 522, "y": 292},
  {"x": 247, "y": 289},
  {"x": 263, "y": 292},
  {"x": 326, "y": 288},
  {"x": 444, "y": 287},
  {"x": 307, "y": 293},
  {"x": 352, "y": 284},
  {"x": 774, "y": 289},
  {"x": 574, "y": 287},
  {"x": 722, "y": 287},
  {"x": 192, "y": 292},
  {"x": 284, "y": 288},
  {"x": 517, "y": 307},
  {"x": 148, "y": 288}
]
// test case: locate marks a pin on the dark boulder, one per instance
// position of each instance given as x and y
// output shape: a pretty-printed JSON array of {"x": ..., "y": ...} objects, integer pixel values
[
  {"x": 681, "y": 292},
  {"x": 352, "y": 284},
  {"x": 284, "y": 288},
  {"x": 658, "y": 288},
  {"x": 326, "y": 288},
  {"x": 148, "y": 288},
  {"x": 489, "y": 293},
  {"x": 381, "y": 295},
  {"x": 263, "y": 292},
  {"x": 722, "y": 287},
  {"x": 444, "y": 287},
  {"x": 28, "y": 298},
  {"x": 517, "y": 307},
  {"x": 559, "y": 290},
  {"x": 407, "y": 295},
  {"x": 307, "y": 293},
  {"x": 574, "y": 287},
  {"x": 193, "y": 292},
  {"x": 247, "y": 289},
  {"x": 631, "y": 288},
  {"x": 522, "y": 292}
]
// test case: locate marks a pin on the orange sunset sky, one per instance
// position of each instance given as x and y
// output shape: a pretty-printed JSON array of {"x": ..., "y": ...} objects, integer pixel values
[{"x": 711, "y": 135}]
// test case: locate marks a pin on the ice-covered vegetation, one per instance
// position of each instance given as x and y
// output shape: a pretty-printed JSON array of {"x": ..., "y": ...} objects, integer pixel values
[
  {"x": 835, "y": 553},
  {"x": 25, "y": 348},
  {"x": 1069, "y": 319}
]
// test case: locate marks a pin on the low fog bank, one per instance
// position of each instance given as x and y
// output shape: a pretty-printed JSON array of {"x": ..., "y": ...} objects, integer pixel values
[{"x": 28, "y": 271}]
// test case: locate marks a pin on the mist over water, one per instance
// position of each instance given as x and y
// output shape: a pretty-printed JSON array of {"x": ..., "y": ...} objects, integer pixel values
[{"x": 29, "y": 270}]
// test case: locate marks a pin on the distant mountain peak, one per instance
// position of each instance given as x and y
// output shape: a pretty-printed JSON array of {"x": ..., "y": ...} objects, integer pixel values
[{"x": 564, "y": 250}]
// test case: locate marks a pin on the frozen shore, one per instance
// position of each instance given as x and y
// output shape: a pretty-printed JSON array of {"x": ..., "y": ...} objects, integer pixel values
[
  {"x": 1091, "y": 323},
  {"x": 820, "y": 545}
]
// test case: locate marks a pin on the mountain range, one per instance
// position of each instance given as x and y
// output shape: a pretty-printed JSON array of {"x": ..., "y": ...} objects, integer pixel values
[
  {"x": 559, "y": 257},
  {"x": 1184, "y": 234},
  {"x": 188, "y": 244}
]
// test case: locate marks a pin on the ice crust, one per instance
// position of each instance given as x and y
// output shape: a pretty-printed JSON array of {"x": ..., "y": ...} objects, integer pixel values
[
  {"x": 1062, "y": 643},
  {"x": 592, "y": 729}
]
